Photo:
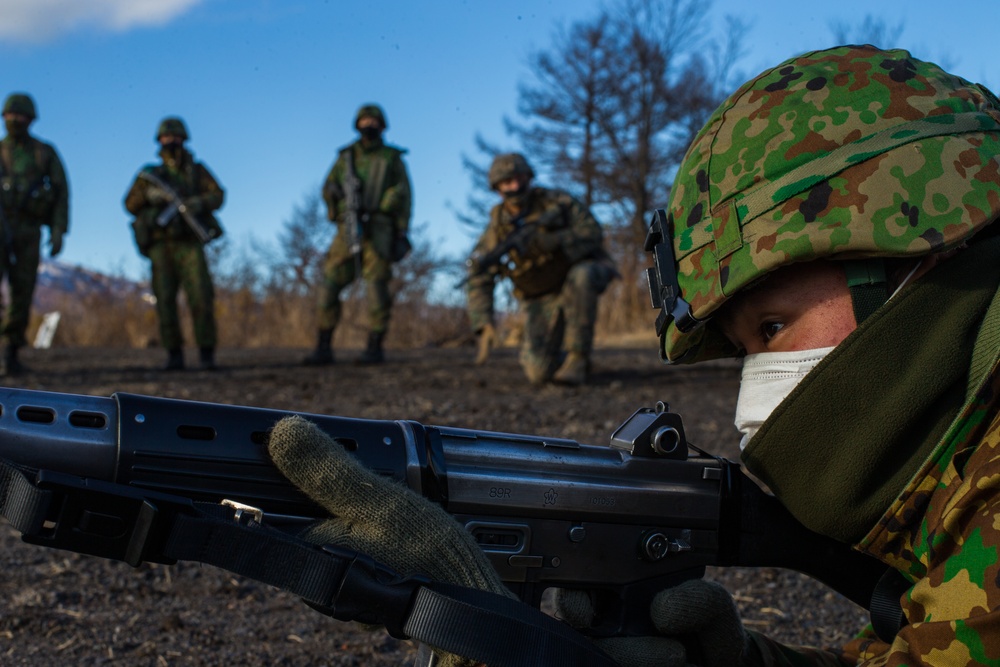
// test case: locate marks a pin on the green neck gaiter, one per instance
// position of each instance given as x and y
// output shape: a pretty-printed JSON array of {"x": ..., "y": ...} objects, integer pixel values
[{"x": 846, "y": 442}]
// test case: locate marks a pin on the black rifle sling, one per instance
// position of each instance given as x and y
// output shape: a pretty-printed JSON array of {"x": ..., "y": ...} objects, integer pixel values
[
  {"x": 131, "y": 525},
  {"x": 21, "y": 503},
  {"x": 887, "y": 615}
]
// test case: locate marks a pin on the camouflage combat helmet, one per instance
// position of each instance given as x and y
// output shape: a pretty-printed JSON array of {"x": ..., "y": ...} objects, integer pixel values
[
  {"x": 20, "y": 103},
  {"x": 371, "y": 111},
  {"x": 509, "y": 165},
  {"x": 848, "y": 153},
  {"x": 172, "y": 125}
]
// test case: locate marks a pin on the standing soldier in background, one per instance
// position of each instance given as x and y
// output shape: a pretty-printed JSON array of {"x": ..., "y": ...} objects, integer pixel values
[
  {"x": 551, "y": 248},
  {"x": 33, "y": 192},
  {"x": 173, "y": 203},
  {"x": 367, "y": 194}
]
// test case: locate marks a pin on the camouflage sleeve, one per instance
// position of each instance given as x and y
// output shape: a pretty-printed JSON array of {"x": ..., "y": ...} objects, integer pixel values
[
  {"x": 954, "y": 605},
  {"x": 333, "y": 191},
  {"x": 479, "y": 289},
  {"x": 583, "y": 237},
  {"x": 210, "y": 193},
  {"x": 397, "y": 199},
  {"x": 135, "y": 198},
  {"x": 59, "y": 220}
]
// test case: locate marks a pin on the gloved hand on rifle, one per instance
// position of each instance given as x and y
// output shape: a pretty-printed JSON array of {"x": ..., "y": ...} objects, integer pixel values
[
  {"x": 376, "y": 516},
  {"x": 156, "y": 197},
  {"x": 401, "y": 246},
  {"x": 193, "y": 205},
  {"x": 698, "y": 615},
  {"x": 544, "y": 242}
]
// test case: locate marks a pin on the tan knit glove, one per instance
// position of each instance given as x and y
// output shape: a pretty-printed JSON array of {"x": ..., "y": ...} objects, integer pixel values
[{"x": 377, "y": 516}]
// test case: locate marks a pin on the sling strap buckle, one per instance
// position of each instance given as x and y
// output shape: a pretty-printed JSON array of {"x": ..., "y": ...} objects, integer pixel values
[{"x": 99, "y": 518}]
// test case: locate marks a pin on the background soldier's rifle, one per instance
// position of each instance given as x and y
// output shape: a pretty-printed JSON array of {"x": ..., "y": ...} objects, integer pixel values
[
  {"x": 354, "y": 210},
  {"x": 175, "y": 207},
  {"x": 517, "y": 240},
  {"x": 8, "y": 239},
  {"x": 8, "y": 232}
]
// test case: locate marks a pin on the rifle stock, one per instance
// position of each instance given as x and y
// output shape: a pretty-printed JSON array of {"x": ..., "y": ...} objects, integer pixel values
[{"x": 621, "y": 522}]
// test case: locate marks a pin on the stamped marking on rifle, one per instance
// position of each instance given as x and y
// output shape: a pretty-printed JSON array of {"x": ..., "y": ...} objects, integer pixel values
[
  {"x": 499, "y": 492},
  {"x": 603, "y": 501},
  {"x": 550, "y": 497}
]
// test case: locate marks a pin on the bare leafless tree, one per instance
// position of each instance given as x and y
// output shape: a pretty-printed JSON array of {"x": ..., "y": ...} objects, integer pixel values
[
  {"x": 297, "y": 261},
  {"x": 611, "y": 106},
  {"x": 870, "y": 30}
]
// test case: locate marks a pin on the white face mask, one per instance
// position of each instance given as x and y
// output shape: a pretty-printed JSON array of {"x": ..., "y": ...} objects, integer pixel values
[{"x": 768, "y": 377}]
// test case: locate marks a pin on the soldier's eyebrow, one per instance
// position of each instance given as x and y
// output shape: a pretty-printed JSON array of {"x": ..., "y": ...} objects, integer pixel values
[{"x": 727, "y": 314}]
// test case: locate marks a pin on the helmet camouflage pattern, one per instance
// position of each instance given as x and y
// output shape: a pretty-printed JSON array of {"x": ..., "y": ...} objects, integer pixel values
[
  {"x": 509, "y": 165},
  {"x": 370, "y": 111},
  {"x": 172, "y": 125},
  {"x": 847, "y": 153},
  {"x": 20, "y": 103}
]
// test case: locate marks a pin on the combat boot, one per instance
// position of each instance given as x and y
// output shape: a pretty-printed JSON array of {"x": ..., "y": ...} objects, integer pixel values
[
  {"x": 175, "y": 360},
  {"x": 574, "y": 369},
  {"x": 206, "y": 356},
  {"x": 373, "y": 353},
  {"x": 11, "y": 364},
  {"x": 323, "y": 354}
]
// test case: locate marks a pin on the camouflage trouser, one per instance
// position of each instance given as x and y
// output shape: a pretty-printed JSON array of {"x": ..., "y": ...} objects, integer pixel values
[
  {"x": 176, "y": 265},
  {"x": 340, "y": 271},
  {"x": 563, "y": 320},
  {"x": 21, "y": 278}
]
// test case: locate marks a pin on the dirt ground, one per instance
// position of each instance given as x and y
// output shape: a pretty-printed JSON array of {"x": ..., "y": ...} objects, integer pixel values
[{"x": 58, "y": 608}]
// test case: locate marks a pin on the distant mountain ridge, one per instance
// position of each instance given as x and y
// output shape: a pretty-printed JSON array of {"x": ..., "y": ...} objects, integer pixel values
[{"x": 57, "y": 279}]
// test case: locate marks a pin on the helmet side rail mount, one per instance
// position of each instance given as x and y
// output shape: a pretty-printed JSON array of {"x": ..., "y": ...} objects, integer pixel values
[{"x": 664, "y": 290}]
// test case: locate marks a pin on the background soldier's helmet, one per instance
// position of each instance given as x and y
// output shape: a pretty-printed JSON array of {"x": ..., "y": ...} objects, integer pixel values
[
  {"x": 847, "y": 153},
  {"x": 20, "y": 103},
  {"x": 509, "y": 165},
  {"x": 174, "y": 126},
  {"x": 371, "y": 111}
]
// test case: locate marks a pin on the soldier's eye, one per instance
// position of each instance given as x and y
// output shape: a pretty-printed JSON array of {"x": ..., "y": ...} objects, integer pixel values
[{"x": 769, "y": 330}]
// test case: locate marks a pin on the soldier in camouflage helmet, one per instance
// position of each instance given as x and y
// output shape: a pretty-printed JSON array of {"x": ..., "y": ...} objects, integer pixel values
[
  {"x": 835, "y": 224},
  {"x": 559, "y": 267},
  {"x": 33, "y": 193},
  {"x": 173, "y": 204},
  {"x": 383, "y": 211}
]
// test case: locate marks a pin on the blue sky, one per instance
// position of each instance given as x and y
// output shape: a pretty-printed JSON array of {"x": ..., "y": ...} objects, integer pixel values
[{"x": 269, "y": 88}]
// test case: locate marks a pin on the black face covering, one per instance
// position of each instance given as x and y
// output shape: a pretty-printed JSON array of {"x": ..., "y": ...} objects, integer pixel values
[
  {"x": 173, "y": 149},
  {"x": 516, "y": 198},
  {"x": 370, "y": 133},
  {"x": 16, "y": 128}
]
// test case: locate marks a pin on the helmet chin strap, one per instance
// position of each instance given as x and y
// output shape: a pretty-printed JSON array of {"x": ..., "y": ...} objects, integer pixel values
[{"x": 867, "y": 283}]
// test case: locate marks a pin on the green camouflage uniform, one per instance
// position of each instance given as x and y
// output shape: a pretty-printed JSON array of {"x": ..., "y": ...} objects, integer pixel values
[
  {"x": 892, "y": 443},
  {"x": 558, "y": 288},
  {"x": 34, "y": 193},
  {"x": 176, "y": 254},
  {"x": 386, "y": 202}
]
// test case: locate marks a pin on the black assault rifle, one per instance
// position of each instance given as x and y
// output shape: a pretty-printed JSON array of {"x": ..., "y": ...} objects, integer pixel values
[
  {"x": 517, "y": 241},
  {"x": 622, "y": 521},
  {"x": 8, "y": 234},
  {"x": 175, "y": 207},
  {"x": 354, "y": 213}
]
